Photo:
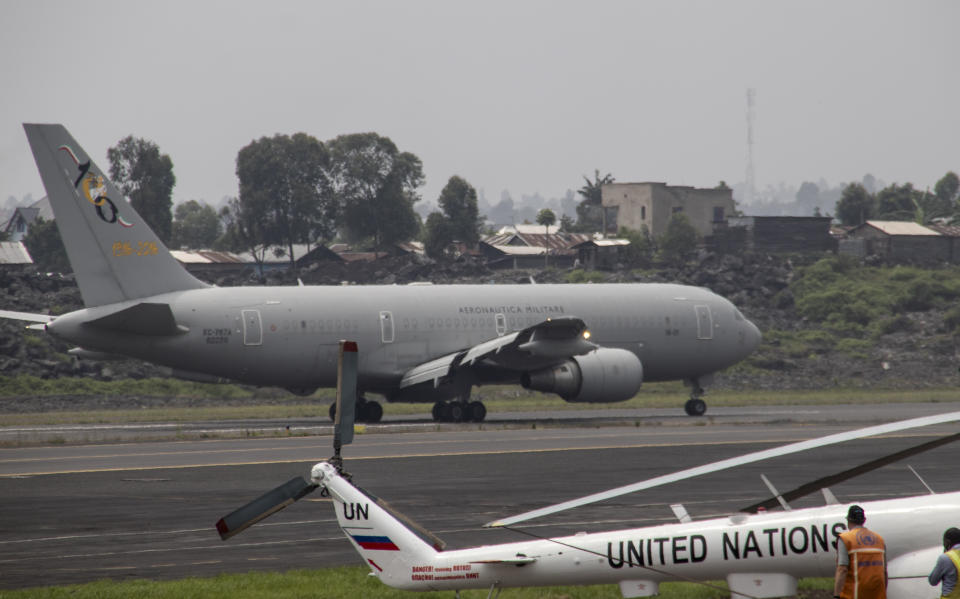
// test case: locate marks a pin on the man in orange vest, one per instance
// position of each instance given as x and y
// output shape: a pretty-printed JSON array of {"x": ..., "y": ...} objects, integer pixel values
[
  {"x": 948, "y": 565},
  {"x": 861, "y": 561}
]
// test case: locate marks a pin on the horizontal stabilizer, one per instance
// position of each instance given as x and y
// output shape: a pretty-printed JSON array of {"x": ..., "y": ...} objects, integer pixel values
[
  {"x": 263, "y": 506},
  {"x": 26, "y": 316},
  {"x": 142, "y": 319},
  {"x": 520, "y": 561}
]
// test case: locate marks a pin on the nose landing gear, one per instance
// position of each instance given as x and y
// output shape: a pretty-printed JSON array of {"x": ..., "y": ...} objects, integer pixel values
[{"x": 695, "y": 406}]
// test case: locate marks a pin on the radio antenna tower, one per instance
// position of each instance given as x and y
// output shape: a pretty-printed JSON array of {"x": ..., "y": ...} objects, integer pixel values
[{"x": 751, "y": 110}]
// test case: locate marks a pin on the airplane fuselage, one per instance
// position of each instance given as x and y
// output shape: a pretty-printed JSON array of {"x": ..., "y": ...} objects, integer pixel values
[
  {"x": 801, "y": 542},
  {"x": 288, "y": 336}
]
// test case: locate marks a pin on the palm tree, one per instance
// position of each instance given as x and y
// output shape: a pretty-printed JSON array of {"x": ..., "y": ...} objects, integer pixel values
[{"x": 546, "y": 217}]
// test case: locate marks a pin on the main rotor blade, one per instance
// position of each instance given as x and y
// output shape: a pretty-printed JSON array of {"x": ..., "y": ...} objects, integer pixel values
[
  {"x": 261, "y": 507},
  {"x": 730, "y": 463},
  {"x": 814, "y": 486}
]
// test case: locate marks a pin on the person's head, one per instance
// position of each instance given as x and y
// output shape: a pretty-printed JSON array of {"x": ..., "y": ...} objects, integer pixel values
[
  {"x": 951, "y": 537},
  {"x": 855, "y": 516}
]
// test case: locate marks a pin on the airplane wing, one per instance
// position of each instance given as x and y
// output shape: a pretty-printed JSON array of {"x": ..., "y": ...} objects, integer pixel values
[
  {"x": 554, "y": 338},
  {"x": 749, "y": 458}
]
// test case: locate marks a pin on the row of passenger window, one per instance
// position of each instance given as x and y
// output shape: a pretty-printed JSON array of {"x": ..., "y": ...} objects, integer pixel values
[{"x": 412, "y": 324}]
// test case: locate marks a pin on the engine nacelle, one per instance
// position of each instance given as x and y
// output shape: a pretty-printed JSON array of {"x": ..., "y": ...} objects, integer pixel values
[{"x": 604, "y": 375}]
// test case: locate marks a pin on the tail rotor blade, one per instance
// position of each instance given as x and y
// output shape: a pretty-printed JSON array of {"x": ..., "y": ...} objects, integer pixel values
[{"x": 263, "y": 506}]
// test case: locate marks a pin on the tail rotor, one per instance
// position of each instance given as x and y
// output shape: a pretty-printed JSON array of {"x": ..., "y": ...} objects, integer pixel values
[{"x": 298, "y": 487}]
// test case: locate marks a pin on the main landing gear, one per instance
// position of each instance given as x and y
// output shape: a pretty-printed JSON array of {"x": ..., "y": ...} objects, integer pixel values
[
  {"x": 695, "y": 406},
  {"x": 459, "y": 411},
  {"x": 367, "y": 410}
]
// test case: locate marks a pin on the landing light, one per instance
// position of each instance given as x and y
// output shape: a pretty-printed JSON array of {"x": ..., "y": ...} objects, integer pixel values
[{"x": 586, "y": 334}]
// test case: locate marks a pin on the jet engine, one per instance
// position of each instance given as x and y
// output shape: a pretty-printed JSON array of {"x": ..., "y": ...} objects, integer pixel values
[{"x": 604, "y": 375}]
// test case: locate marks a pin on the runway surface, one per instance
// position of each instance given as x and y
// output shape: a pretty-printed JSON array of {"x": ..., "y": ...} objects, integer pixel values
[{"x": 73, "y": 514}]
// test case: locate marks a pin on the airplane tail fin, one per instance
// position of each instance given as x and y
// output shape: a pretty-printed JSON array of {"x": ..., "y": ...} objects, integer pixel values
[
  {"x": 114, "y": 254},
  {"x": 392, "y": 545}
]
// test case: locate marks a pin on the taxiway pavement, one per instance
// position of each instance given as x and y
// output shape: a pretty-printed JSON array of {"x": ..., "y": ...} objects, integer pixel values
[{"x": 72, "y": 514}]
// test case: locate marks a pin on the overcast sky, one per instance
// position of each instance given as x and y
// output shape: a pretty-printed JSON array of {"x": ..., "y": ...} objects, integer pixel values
[{"x": 527, "y": 96}]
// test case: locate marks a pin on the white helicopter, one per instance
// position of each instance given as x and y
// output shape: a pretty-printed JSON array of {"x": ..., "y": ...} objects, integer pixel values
[{"x": 760, "y": 554}]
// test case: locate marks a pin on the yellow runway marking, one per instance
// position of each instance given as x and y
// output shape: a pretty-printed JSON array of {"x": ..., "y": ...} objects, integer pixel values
[{"x": 780, "y": 441}]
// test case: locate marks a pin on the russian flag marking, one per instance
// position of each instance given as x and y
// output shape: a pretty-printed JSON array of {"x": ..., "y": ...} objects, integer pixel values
[{"x": 375, "y": 543}]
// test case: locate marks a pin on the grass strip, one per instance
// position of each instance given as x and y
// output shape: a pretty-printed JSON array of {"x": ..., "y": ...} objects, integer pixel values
[
  {"x": 497, "y": 399},
  {"x": 340, "y": 583}
]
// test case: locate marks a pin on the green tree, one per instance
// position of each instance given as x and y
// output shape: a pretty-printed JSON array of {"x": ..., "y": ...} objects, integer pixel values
[
  {"x": 641, "y": 249},
  {"x": 590, "y": 209},
  {"x": 195, "y": 226},
  {"x": 284, "y": 185},
  {"x": 145, "y": 176},
  {"x": 898, "y": 202},
  {"x": 678, "y": 244},
  {"x": 929, "y": 206},
  {"x": 458, "y": 201},
  {"x": 856, "y": 205},
  {"x": 46, "y": 247},
  {"x": 438, "y": 235},
  {"x": 245, "y": 228},
  {"x": 948, "y": 188},
  {"x": 547, "y": 218},
  {"x": 376, "y": 185}
]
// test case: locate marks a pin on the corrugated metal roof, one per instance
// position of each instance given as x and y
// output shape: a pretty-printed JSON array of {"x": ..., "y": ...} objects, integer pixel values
[
  {"x": 14, "y": 252},
  {"x": 524, "y": 229},
  {"x": 555, "y": 241},
  {"x": 948, "y": 230},
  {"x": 611, "y": 242},
  {"x": 205, "y": 257},
  {"x": 900, "y": 227},
  {"x": 185, "y": 257},
  {"x": 520, "y": 250}
]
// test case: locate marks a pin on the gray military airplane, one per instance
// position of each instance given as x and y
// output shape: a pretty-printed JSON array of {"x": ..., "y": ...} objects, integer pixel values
[{"x": 418, "y": 343}]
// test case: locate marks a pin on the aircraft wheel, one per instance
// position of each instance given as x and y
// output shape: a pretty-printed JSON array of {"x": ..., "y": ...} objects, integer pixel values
[
  {"x": 333, "y": 412},
  {"x": 695, "y": 407},
  {"x": 372, "y": 411},
  {"x": 477, "y": 411},
  {"x": 438, "y": 411},
  {"x": 453, "y": 412}
]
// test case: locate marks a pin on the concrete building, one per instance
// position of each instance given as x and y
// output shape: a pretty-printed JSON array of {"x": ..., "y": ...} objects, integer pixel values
[
  {"x": 773, "y": 234},
  {"x": 633, "y": 205},
  {"x": 19, "y": 223}
]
